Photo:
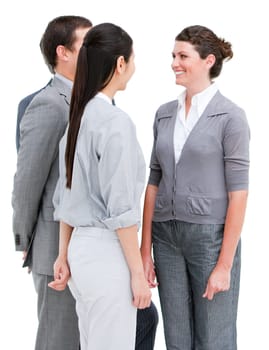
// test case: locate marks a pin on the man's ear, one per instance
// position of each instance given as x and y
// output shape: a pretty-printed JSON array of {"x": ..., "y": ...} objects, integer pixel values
[{"x": 62, "y": 52}]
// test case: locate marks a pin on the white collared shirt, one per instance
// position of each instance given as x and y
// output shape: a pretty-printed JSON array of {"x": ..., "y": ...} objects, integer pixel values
[{"x": 183, "y": 125}]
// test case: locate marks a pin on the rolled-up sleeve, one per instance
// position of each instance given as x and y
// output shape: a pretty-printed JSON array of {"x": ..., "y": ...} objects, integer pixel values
[
  {"x": 154, "y": 177},
  {"x": 236, "y": 154},
  {"x": 120, "y": 181}
]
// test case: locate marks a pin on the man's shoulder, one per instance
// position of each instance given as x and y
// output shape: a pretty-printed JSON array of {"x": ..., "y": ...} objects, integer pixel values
[
  {"x": 27, "y": 99},
  {"x": 50, "y": 100},
  {"x": 55, "y": 91},
  {"x": 47, "y": 110}
]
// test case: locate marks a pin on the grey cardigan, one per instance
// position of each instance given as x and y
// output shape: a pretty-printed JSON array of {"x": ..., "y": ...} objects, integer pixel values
[{"x": 213, "y": 162}]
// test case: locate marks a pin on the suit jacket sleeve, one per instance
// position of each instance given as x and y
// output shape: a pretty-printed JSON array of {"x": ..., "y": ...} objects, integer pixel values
[
  {"x": 41, "y": 130},
  {"x": 21, "y": 110}
]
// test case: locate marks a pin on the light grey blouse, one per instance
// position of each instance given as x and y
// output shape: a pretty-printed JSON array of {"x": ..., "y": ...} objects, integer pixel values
[{"x": 108, "y": 173}]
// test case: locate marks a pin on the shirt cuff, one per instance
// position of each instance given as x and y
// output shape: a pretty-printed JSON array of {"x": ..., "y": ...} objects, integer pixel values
[{"x": 127, "y": 219}]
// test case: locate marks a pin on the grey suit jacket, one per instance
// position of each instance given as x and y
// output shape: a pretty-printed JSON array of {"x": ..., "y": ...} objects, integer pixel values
[
  {"x": 42, "y": 126},
  {"x": 24, "y": 103}
]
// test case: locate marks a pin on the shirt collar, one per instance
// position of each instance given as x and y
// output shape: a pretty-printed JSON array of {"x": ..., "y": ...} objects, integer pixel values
[
  {"x": 64, "y": 79},
  {"x": 201, "y": 99},
  {"x": 104, "y": 97}
]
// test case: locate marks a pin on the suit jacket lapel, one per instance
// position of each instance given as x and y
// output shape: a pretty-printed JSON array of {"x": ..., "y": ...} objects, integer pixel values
[{"x": 63, "y": 89}]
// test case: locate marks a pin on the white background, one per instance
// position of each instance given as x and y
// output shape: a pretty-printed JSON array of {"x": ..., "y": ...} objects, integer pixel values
[{"x": 153, "y": 26}]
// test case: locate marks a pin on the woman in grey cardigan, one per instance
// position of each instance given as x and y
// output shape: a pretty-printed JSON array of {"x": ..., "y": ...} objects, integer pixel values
[
  {"x": 196, "y": 199},
  {"x": 101, "y": 182}
]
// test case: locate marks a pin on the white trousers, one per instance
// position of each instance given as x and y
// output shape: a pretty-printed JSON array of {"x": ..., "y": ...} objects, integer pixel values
[{"x": 100, "y": 284}]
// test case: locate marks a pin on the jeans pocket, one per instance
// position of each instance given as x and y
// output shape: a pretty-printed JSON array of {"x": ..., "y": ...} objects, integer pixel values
[{"x": 163, "y": 233}]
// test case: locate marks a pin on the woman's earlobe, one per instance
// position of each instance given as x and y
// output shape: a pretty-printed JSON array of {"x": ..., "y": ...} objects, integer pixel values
[
  {"x": 211, "y": 59},
  {"x": 120, "y": 63}
]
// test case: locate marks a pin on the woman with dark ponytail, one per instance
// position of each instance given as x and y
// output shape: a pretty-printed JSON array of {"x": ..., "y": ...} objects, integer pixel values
[
  {"x": 102, "y": 172},
  {"x": 196, "y": 199}
]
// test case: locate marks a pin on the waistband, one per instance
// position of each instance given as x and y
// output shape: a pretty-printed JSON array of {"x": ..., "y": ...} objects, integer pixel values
[{"x": 95, "y": 232}]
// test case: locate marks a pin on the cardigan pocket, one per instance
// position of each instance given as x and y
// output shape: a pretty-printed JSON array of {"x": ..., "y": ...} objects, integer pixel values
[
  {"x": 199, "y": 205},
  {"x": 160, "y": 202}
]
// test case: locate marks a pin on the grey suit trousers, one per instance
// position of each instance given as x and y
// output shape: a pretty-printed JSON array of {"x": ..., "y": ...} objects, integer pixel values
[{"x": 56, "y": 316}]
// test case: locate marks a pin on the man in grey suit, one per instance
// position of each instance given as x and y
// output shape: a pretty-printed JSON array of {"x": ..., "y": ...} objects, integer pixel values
[
  {"x": 36, "y": 233},
  {"x": 45, "y": 115}
]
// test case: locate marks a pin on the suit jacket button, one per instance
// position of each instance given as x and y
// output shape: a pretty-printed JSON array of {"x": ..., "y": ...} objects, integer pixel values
[{"x": 17, "y": 239}]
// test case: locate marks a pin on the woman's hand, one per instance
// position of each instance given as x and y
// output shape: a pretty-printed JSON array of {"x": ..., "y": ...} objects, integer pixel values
[
  {"x": 141, "y": 291},
  {"x": 219, "y": 281},
  {"x": 149, "y": 270},
  {"x": 61, "y": 274}
]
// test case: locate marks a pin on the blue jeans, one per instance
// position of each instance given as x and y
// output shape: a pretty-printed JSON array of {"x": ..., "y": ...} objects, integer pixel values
[{"x": 184, "y": 256}]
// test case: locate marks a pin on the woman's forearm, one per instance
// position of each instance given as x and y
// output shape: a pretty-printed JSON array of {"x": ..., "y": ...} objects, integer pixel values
[
  {"x": 149, "y": 205},
  {"x": 61, "y": 268},
  {"x": 64, "y": 238},
  {"x": 128, "y": 237},
  {"x": 233, "y": 227},
  {"x": 129, "y": 242}
]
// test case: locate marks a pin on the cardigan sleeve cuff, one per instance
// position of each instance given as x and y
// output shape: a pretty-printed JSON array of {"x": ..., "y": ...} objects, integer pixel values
[{"x": 154, "y": 177}]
